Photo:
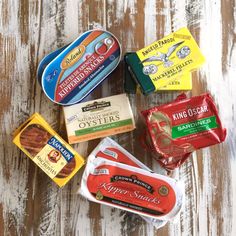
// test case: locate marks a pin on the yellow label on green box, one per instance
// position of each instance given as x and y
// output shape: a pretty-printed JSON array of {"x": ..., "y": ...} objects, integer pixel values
[
  {"x": 165, "y": 60},
  {"x": 171, "y": 56}
]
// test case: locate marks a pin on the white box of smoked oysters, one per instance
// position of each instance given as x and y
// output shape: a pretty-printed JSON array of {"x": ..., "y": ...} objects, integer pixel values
[{"x": 98, "y": 118}]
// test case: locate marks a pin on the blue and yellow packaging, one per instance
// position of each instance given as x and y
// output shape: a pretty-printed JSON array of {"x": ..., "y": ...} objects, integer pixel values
[{"x": 47, "y": 149}]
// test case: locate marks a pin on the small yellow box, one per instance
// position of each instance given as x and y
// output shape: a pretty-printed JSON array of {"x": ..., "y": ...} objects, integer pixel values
[
  {"x": 47, "y": 149},
  {"x": 165, "y": 60}
]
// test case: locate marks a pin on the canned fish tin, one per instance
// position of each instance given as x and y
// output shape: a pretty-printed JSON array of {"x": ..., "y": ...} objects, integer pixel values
[
  {"x": 80, "y": 67},
  {"x": 178, "y": 128},
  {"x": 165, "y": 60},
  {"x": 47, "y": 149},
  {"x": 132, "y": 189},
  {"x": 98, "y": 118},
  {"x": 110, "y": 150}
]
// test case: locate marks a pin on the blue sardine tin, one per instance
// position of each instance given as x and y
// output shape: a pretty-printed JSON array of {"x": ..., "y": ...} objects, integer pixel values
[{"x": 70, "y": 73}]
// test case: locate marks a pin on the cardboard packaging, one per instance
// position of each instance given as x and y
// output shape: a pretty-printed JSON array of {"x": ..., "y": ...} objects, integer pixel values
[
  {"x": 98, "y": 118},
  {"x": 165, "y": 60},
  {"x": 47, "y": 149}
]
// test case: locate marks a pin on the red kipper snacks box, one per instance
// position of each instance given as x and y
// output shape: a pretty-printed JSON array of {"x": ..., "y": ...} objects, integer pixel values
[
  {"x": 111, "y": 150},
  {"x": 132, "y": 189}
]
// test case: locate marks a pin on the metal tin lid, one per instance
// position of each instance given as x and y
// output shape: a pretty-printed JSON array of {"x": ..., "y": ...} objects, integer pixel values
[{"x": 80, "y": 67}]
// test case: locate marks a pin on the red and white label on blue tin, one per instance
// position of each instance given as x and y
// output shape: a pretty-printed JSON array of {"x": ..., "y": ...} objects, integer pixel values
[{"x": 80, "y": 67}]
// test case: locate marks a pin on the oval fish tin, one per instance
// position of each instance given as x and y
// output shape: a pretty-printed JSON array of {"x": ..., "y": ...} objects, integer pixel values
[{"x": 78, "y": 68}]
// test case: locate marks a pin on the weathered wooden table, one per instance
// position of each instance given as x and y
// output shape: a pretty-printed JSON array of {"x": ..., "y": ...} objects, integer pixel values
[{"x": 30, "y": 203}]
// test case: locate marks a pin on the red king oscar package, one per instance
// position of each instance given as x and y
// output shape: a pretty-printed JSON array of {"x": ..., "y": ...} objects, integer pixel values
[{"x": 178, "y": 128}]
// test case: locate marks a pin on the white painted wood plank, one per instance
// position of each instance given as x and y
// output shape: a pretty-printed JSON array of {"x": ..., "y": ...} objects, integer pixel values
[{"x": 28, "y": 31}]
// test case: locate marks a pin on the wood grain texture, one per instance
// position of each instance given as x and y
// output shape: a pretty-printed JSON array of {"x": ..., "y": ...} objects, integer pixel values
[{"x": 30, "y": 204}]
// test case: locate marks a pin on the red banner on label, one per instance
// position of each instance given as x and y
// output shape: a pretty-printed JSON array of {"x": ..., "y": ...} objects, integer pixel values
[{"x": 83, "y": 71}]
